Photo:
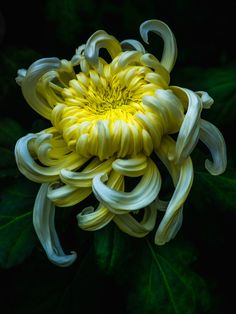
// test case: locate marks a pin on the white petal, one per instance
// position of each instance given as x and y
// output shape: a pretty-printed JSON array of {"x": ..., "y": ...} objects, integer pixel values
[
  {"x": 131, "y": 226},
  {"x": 67, "y": 195},
  {"x": 91, "y": 220},
  {"x": 43, "y": 220},
  {"x": 21, "y": 74},
  {"x": 84, "y": 178},
  {"x": 132, "y": 44},
  {"x": 152, "y": 62},
  {"x": 34, "y": 171},
  {"x": 159, "y": 204},
  {"x": 29, "y": 84},
  {"x": 132, "y": 167},
  {"x": 170, "y": 49},
  {"x": 172, "y": 219},
  {"x": 165, "y": 152},
  {"x": 206, "y": 99},
  {"x": 141, "y": 196},
  {"x": 189, "y": 131},
  {"x": 78, "y": 55},
  {"x": 213, "y": 139},
  {"x": 129, "y": 58},
  {"x": 100, "y": 39}
]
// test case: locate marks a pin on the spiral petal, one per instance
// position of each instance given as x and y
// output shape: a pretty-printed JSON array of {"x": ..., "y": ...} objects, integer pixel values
[
  {"x": 131, "y": 226},
  {"x": 98, "y": 40},
  {"x": 43, "y": 220},
  {"x": 30, "y": 81},
  {"x": 141, "y": 196},
  {"x": 170, "y": 48},
  {"x": 34, "y": 171},
  {"x": 172, "y": 219},
  {"x": 213, "y": 139}
]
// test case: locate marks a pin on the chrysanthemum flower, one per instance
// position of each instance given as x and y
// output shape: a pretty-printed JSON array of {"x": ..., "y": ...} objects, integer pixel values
[{"x": 108, "y": 121}]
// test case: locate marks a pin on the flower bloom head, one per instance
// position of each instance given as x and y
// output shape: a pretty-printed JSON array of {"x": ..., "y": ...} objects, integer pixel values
[{"x": 113, "y": 119}]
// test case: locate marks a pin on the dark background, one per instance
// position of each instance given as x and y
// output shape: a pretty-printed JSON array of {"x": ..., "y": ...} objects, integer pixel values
[{"x": 205, "y": 33}]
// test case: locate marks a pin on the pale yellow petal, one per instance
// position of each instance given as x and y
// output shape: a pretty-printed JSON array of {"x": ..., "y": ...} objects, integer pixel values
[
  {"x": 43, "y": 220},
  {"x": 100, "y": 39},
  {"x": 141, "y": 196},
  {"x": 128, "y": 224},
  {"x": 170, "y": 48},
  {"x": 213, "y": 139}
]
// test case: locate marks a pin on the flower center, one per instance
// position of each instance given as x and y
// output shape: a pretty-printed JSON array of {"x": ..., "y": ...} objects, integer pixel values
[
  {"x": 109, "y": 95},
  {"x": 104, "y": 113}
]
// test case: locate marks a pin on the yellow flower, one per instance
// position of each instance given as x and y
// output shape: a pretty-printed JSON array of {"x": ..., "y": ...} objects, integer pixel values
[{"x": 112, "y": 120}]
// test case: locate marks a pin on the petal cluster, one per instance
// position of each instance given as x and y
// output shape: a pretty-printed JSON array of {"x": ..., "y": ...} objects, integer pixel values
[{"x": 112, "y": 120}]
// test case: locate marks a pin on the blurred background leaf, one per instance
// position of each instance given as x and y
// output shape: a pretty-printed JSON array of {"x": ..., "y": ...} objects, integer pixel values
[
  {"x": 17, "y": 236},
  {"x": 154, "y": 279}
]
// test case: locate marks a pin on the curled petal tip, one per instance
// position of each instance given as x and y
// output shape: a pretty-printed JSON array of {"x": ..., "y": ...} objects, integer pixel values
[
  {"x": 213, "y": 139},
  {"x": 43, "y": 221},
  {"x": 132, "y": 44},
  {"x": 62, "y": 261},
  {"x": 100, "y": 39},
  {"x": 170, "y": 48},
  {"x": 207, "y": 100},
  {"x": 21, "y": 74}
]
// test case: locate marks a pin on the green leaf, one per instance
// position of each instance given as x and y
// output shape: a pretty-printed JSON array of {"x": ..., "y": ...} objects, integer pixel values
[
  {"x": 10, "y": 131},
  {"x": 17, "y": 236},
  {"x": 164, "y": 281},
  {"x": 220, "y": 190},
  {"x": 41, "y": 287},
  {"x": 17, "y": 239},
  {"x": 155, "y": 279},
  {"x": 219, "y": 82},
  {"x": 111, "y": 248}
]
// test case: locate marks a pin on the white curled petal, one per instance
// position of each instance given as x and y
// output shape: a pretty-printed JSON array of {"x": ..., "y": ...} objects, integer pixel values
[
  {"x": 188, "y": 134},
  {"x": 33, "y": 171},
  {"x": 165, "y": 152},
  {"x": 141, "y": 196},
  {"x": 172, "y": 219},
  {"x": 132, "y": 167},
  {"x": 100, "y": 39},
  {"x": 129, "y": 58},
  {"x": 152, "y": 62},
  {"x": 176, "y": 224},
  {"x": 170, "y": 48},
  {"x": 76, "y": 59},
  {"x": 206, "y": 99},
  {"x": 84, "y": 178},
  {"x": 170, "y": 108},
  {"x": 91, "y": 220},
  {"x": 213, "y": 139},
  {"x": 159, "y": 204},
  {"x": 132, "y": 44},
  {"x": 28, "y": 167},
  {"x": 21, "y": 74},
  {"x": 64, "y": 196},
  {"x": 131, "y": 226},
  {"x": 43, "y": 220},
  {"x": 29, "y": 84}
]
